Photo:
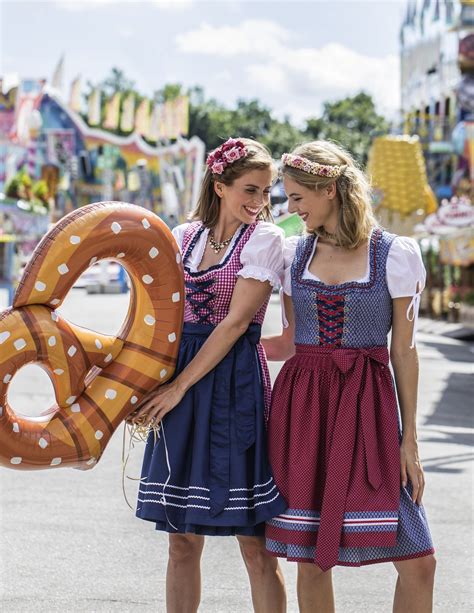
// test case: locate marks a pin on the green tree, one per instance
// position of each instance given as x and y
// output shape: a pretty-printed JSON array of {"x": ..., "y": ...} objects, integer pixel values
[
  {"x": 117, "y": 82},
  {"x": 352, "y": 122},
  {"x": 282, "y": 137},
  {"x": 169, "y": 92}
]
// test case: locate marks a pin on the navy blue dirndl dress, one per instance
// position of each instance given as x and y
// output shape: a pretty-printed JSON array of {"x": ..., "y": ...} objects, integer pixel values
[{"x": 208, "y": 472}]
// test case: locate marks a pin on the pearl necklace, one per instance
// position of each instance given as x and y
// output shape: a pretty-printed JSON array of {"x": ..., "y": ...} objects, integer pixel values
[{"x": 216, "y": 246}]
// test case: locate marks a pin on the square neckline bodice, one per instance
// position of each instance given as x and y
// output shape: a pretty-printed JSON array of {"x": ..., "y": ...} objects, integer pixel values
[{"x": 310, "y": 249}]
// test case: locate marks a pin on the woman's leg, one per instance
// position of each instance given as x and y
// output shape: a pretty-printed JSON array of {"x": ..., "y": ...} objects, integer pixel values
[
  {"x": 183, "y": 576},
  {"x": 314, "y": 588},
  {"x": 266, "y": 579},
  {"x": 414, "y": 590}
]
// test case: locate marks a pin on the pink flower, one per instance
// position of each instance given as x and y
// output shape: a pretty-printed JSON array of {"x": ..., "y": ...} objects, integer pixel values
[
  {"x": 229, "y": 143},
  {"x": 217, "y": 167},
  {"x": 233, "y": 154}
]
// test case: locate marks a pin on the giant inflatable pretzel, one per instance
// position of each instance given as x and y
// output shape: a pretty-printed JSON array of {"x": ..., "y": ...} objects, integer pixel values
[{"x": 142, "y": 356}]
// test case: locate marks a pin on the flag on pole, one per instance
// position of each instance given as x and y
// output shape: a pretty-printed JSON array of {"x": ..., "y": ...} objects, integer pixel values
[
  {"x": 154, "y": 124},
  {"x": 128, "y": 113},
  {"x": 93, "y": 117},
  {"x": 112, "y": 112},
  {"x": 58, "y": 75},
  {"x": 142, "y": 118},
  {"x": 171, "y": 119},
  {"x": 182, "y": 111},
  {"x": 75, "y": 95}
]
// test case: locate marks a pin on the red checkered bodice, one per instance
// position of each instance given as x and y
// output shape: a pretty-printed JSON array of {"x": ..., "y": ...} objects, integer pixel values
[{"x": 209, "y": 292}]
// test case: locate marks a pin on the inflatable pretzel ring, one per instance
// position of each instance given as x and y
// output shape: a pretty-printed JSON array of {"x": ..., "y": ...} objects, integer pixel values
[{"x": 122, "y": 369}]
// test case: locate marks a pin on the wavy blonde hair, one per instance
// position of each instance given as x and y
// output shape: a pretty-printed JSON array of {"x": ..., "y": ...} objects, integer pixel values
[
  {"x": 258, "y": 158},
  {"x": 356, "y": 218}
]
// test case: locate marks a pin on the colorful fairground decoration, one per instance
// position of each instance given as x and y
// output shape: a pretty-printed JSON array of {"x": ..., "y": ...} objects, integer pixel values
[{"x": 56, "y": 157}]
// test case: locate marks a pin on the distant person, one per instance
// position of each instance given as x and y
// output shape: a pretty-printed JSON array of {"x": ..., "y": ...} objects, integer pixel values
[
  {"x": 172, "y": 221},
  {"x": 207, "y": 474},
  {"x": 351, "y": 474}
]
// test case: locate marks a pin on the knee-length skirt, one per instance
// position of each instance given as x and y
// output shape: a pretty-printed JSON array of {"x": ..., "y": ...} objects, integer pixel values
[
  {"x": 334, "y": 446},
  {"x": 208, "y": 471}
]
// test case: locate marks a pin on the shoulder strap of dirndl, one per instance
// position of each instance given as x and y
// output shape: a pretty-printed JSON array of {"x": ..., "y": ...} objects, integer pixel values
[
  {"x": 382, "y": 242},
  {"x": 189, "y": 234},
  {"x": 300, "y": 252}
]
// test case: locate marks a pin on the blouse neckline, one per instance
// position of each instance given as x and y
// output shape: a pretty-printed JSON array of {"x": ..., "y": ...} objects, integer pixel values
[
  {"x": 310, "y": 249},
  {"x": 226, "y": 258}
]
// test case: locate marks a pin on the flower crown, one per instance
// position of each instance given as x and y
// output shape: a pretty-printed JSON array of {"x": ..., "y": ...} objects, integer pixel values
[
  {"x": 228, "y": 153},
  {"x": 314, "y": 168}
]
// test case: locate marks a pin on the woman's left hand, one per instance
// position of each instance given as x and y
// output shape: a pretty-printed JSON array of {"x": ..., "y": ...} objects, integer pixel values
[
  {"x": 158, "y": 405},
  {"x": 411, "y": 469}
]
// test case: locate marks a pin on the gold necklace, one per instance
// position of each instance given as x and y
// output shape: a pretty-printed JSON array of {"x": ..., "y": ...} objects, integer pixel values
[
  {"x": 216, "y": 246},
  {"x": 325, "y": 234}
]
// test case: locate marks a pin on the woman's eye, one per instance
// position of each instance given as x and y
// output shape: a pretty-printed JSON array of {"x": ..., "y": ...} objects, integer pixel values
[{"x": 250, "y": 191}]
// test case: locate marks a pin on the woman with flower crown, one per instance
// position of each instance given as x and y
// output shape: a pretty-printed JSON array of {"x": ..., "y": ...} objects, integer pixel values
[
  {"x": 349, "y": 471},
  {"x": 207, "y": 473}
]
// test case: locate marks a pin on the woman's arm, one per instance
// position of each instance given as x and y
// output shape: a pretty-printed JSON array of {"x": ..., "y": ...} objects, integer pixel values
[
  {"x": 405, "y": 367},
  {"x": 282, "y": 346},
  {"x": 247, "y": 298}
]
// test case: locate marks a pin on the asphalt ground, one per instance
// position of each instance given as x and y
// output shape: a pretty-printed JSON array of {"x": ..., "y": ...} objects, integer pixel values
[{"x": 69, "y": 542}]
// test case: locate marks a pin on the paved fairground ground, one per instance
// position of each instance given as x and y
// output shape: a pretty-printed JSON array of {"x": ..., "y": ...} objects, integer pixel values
[{"x": 69, "y": 542}]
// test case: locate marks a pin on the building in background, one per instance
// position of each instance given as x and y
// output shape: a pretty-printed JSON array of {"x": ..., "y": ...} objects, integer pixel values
[
  {"x": 437, "y": 97},
  {"x": 80, "y": 158},
  {"x": 437, "y": 89}
]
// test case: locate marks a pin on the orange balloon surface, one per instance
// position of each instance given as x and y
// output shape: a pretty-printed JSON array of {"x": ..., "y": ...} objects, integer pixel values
[{"x": 125, "y": 368}]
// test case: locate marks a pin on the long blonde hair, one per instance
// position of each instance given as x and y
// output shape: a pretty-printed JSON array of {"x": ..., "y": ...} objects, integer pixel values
[
  {"x": 258, "y": 158},
  {"x": 356, "y": 218}
]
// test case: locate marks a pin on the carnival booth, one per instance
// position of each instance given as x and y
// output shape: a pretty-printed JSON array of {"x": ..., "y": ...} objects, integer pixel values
[
  {"x": 21, "y": 228},
  {"x": 447, "y": 241},
  {"x": 138, "y": 155}
]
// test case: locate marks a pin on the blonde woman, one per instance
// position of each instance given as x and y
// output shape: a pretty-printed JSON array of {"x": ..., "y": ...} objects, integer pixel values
[
  {"x": 349, "y": 471},
  {"x": 208, "y": 474}
]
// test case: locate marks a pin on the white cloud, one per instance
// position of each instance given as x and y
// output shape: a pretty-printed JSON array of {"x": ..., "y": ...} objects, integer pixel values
[
  {"x": 81, "y": 5},
  {"x": 249, "y": 38},
  {"x": 293, "y": 79}
]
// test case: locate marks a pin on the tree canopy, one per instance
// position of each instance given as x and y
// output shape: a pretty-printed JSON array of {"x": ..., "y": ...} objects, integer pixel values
[{"x": 352, "y": 121}]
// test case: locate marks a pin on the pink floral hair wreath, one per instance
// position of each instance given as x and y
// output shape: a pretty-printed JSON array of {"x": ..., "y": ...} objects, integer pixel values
[
  {"x": 313, "y": 168},
  {"x": 228, "y": 153}
]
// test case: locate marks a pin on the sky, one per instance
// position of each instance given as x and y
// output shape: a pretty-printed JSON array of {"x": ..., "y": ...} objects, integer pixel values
[{"x": 292, "y": 55}]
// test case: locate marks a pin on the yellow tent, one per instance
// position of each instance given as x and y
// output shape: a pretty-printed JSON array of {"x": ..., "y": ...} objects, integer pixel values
[{"x": 398, "y": 172}]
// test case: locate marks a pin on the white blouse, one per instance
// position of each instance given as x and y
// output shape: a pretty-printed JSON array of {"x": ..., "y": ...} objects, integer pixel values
[
  {"x": 261, "y": 256},
  {"x": 405, "y": 272}
]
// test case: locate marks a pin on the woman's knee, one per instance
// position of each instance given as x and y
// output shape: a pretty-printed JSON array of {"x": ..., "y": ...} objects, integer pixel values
[
  {"x": 420, "y": 571},
  {"x": 185, "y": 547},
  {"x": 308, "y": 570},
  {"x": 254, "y": 553}
]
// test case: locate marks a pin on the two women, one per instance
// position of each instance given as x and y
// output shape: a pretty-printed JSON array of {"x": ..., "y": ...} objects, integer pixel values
[{"x": 348, "y": 478}]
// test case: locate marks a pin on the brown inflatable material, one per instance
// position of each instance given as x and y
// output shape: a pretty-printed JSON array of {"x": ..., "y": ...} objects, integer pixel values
[{"x": 76, "y": 431}]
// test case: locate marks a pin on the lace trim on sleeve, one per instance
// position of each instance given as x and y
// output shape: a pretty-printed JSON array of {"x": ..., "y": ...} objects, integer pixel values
[{"x": 260, "y": 274}]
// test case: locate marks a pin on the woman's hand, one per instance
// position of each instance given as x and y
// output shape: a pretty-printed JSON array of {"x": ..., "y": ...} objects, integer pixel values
[
  {"x": 411, "y": 469},
  {"x": 157, "y": 405}
]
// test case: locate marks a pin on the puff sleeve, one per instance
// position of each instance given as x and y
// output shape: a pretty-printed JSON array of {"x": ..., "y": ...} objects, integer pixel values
[
  {"x": 178, "y": 233},
  {"x": 406, "y": 275},
  {"x": 262, "y": 255}
]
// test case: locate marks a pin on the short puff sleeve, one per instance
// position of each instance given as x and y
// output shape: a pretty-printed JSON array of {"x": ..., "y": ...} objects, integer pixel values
[
  {"x": 406, "y": 275},
  {"x": 262, "y": 255},
  {"x": 178, "y": 233}
]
